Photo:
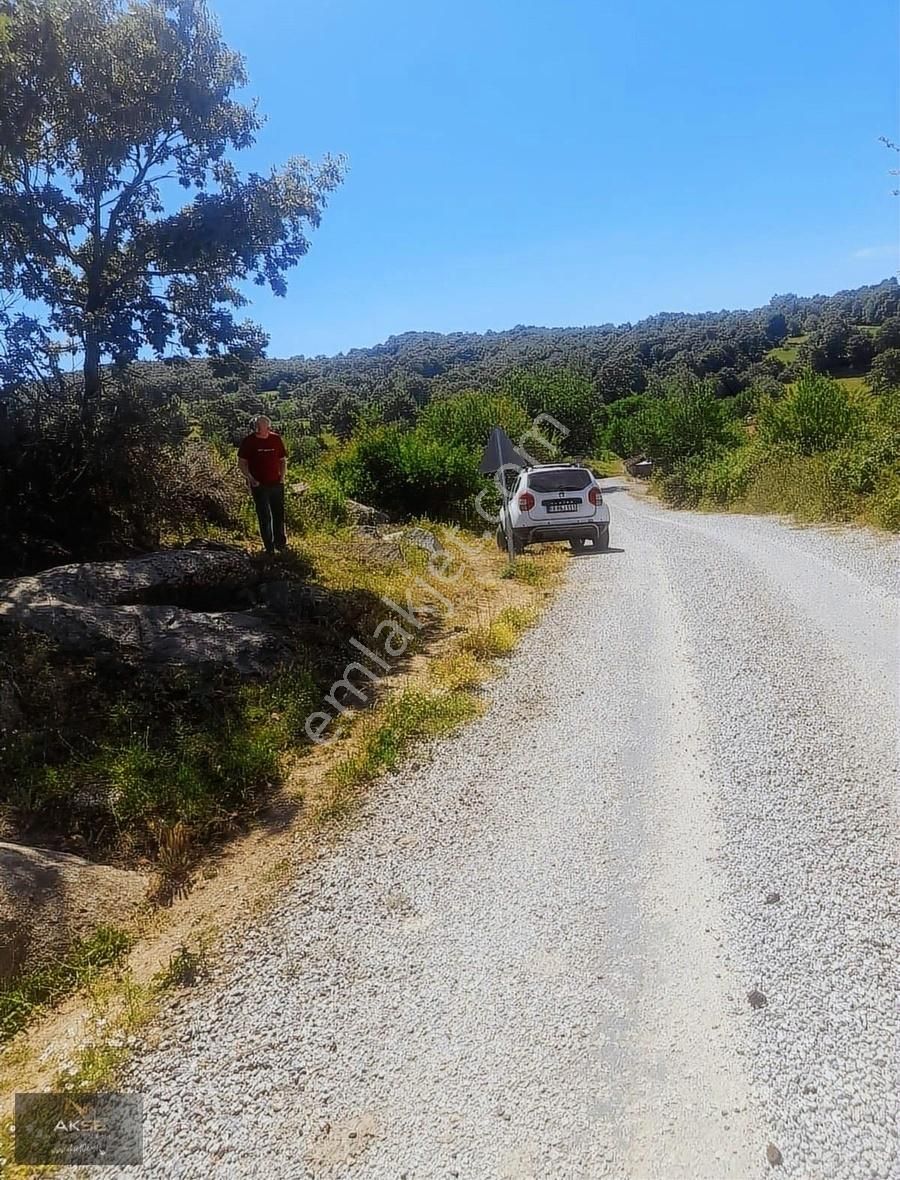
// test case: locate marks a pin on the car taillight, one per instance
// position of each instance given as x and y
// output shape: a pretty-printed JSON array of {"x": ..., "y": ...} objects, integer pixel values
[
  {"x": 526, "y": 501},
  {"x": 595, "y": 497}
]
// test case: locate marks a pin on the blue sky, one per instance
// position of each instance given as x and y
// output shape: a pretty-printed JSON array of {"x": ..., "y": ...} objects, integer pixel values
[{"x": 566, "y": 162}]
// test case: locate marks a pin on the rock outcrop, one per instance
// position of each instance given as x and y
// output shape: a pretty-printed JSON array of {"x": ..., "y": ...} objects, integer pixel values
[
  {"x": 168, "y": 607},
  {"x": 48, "y": 900}
]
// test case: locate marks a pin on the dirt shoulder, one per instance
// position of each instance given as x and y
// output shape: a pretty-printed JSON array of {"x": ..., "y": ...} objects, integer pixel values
[{"x": 235, "y": 884}]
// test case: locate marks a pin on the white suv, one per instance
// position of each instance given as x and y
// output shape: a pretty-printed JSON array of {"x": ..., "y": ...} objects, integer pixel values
[{"x": 557, "y": 502}]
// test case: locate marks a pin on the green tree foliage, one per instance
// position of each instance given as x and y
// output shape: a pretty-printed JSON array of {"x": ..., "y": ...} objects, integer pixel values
[
  {"x": 563, "y": 367},
  {"x": 72, "y": 489},
  {"x": 563, "y": 395},
  {"x": 885, "y": 372},
  {"x": 888, "y": 334},
  {"x": 776, "y": 327},
  {"x": 817, "y": 415},
  {"x": 431, "y": 469},
  {"x": 691, "y": 420},
  {"x": 617, "y": 429},
  {"x": 408, "y": 471},
  {"x": 835, "y": 344},
  {"x": 108, "y": 108},
  {"x": 467, "y": 419}
]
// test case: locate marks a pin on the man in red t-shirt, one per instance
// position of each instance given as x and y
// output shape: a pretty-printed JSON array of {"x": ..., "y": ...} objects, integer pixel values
[{"x": 263, "y": 459}]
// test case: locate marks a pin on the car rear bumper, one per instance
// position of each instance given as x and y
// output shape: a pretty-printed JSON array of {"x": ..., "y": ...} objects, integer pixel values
[{"x": 572, "y": 530}]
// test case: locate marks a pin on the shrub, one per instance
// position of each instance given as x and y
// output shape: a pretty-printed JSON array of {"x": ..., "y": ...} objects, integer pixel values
[
  {"x": 885, "y": 505},
  {"x": 466, "y": 420},
  {"x": 564, "y": 395},
  {"x": 690, "y": 424},
  {"x": 670, "y": 429},
  {"x": 303, "y": 449},
  {"x": 869, "y": 463},
  {"x": 786, "y": 482},
  {"x": 817, "y": 415},
  {"x": 708, "y": 481},
  {"x": 322, "y": 506},
  {"x": 408, "y": 471},
  {"x": 76, "y": 488},
  {"x": 618, "y": 430},
  {"x": 859, "y": 468},
  {"x": 885, "y": 372}
]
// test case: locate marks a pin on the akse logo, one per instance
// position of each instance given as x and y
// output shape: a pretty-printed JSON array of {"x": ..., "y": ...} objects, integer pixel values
[{"x": 77, "y": 1119}]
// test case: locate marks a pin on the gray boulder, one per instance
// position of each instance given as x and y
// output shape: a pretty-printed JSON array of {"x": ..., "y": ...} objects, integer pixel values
[
  {"x": 48, "y": 900},
  {"x": 419, "y": 538},
  {"x": 170, "y": 607},
  {"x": 365, "y": 515}
]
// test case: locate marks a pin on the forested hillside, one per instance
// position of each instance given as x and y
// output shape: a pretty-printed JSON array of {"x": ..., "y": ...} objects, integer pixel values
[{"x": 840, "y": 334}]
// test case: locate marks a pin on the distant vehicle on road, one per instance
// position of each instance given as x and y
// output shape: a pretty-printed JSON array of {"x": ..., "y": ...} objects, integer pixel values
[
  {"x": 557, "y": 502},
  {"x": 639, "y": 466}
]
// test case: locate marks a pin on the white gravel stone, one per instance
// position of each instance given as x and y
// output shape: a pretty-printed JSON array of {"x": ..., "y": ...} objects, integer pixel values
[{"x": 531, "y": 956}]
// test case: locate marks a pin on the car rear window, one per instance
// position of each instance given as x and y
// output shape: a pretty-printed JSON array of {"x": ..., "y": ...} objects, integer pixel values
[{"x": 572, "y": 479}]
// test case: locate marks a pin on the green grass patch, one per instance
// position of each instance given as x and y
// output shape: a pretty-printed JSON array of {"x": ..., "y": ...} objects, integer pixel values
[
  {"x": 185, "y": 968},
  {"x": 459, "y": 670},
  {"x": 529, "y": 571},
  {"x": 204, "y": 768},
  {"x": 44, "y": 987},
  {"x": 786, "y": 353},
  {"x": 411, "y": 716},
  {"x": 136, "y": 750},
  {"x": 119, "y": 1008},
  {"x": 789, "y": 351},
  {"x": 605, "y": 464},
  {"x": 855, "y": 384},
  {"x": 422, "y": 713},
  {"x": 499, "y": 637}
]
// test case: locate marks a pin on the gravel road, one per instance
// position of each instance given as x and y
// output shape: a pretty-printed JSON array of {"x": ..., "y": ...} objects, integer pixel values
[{"x": 533, "y": 955}]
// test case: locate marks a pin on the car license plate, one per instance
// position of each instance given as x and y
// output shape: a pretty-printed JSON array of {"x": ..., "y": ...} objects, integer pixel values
[{"x": 562, "y": 505}]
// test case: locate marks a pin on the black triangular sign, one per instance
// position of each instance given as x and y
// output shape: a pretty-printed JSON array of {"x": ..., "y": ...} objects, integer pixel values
[{"x": 500, "y": 452}]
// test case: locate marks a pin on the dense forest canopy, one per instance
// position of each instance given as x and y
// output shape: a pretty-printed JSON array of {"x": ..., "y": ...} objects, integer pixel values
[{"x": 838, "y": 334}]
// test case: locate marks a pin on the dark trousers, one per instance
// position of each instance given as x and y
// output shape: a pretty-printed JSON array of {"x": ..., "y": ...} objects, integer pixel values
[{"x": 269, "y": 501}]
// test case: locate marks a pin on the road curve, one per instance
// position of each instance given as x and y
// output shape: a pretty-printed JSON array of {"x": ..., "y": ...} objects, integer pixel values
[{"x": 533, "y": 955}]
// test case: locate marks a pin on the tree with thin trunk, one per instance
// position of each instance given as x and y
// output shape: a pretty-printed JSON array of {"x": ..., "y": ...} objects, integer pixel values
[{"x": 124, "y": 223}]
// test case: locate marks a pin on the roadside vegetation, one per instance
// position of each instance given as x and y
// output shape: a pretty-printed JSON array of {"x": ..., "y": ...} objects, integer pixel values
[
  {"x": 147, "y": 764},
  {"x": 44, "y": 987},
  {"x": 820, "y": 449},
  {"x": 105, "y": 456}
]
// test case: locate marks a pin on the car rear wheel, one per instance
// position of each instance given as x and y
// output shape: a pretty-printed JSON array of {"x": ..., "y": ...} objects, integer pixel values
[
  {"x": 576, "y": 544},
  {"x": 602, "y": 541},
  {"x": 518, "y": 546}
]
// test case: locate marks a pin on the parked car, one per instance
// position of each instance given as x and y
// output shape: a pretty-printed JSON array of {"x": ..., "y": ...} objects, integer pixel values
[{"x": 557, "y": 502}]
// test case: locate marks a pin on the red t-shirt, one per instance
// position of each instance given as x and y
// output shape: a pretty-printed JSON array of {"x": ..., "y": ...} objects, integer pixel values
[{"x": 263, "y": 456}]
